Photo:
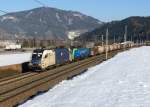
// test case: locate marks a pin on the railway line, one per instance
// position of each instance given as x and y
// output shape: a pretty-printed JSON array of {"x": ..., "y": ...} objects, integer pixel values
[
  {"x": 14, "y": 76},
  {"x": 15, "y": 90}
]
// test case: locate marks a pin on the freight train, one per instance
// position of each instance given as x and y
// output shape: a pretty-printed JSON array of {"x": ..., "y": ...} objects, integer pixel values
[{"x": 43, "y": 59}]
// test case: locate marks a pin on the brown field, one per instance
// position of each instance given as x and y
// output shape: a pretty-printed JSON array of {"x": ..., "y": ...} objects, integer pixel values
[{"x": 10, "y": 70}]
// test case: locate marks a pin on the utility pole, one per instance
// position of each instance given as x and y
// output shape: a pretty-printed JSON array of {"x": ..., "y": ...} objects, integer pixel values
[
  {"x": 102, "y": 40},
  {"x": 3, "y": 11},
  {"x": 131, "y": 38},
  {"x": 114, "y": 39},
  {"x": 137, "y": 42},
  {"x": 107, "y": 43},
  {"x": 99, "y": 38},
  {"x": 125, "y": 36}
]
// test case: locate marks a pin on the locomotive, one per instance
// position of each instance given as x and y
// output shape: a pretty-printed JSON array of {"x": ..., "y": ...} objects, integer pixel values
[{"x": 42, "y": 59}]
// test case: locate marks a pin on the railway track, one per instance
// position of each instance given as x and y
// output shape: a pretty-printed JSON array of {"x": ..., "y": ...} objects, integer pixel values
[
  {"x": 15, "y": 90},
  {"x": 14, "y": 76}
]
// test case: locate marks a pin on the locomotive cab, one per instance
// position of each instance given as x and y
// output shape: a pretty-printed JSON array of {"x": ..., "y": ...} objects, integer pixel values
[{"x": 42, "y": 59}]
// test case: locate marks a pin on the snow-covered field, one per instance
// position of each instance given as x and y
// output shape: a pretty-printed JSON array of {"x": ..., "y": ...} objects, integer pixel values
[
  {"x": 123, "y": 81},
  {"x": 9, "y": 59}
]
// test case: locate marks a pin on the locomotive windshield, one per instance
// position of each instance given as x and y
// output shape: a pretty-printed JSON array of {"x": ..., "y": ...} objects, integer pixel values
[{"x": 37, "y": 54}]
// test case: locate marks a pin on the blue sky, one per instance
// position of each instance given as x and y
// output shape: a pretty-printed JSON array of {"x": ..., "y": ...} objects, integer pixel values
[{"x": 104, "y": 10}]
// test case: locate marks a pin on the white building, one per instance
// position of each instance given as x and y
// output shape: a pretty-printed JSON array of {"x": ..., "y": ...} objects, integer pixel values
[
  {"x": 73, "y": 34},
  {"x": 4, "y": 43}
]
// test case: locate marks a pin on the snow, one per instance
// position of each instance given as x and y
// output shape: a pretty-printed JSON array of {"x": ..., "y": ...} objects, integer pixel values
[
  {"x": 10, "y": 59},
  {"x": 78, "y": 15},
  {"x": 122, "y": 81},
  {"x": 58, "y": 17},
  {"x": 9, "y": 18},
  {"x": 100, "y": 22},
  {"x": 70, "y": 21},
  {"x": 72, "y": 34},
  {"x": 40, "y": 19},
  {"x": 29, "y": 14}
]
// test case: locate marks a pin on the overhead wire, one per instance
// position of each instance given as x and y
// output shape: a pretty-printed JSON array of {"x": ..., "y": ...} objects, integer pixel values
[
  {"x": 3, "y": 11},
  {"x": 41, "y": 3}
]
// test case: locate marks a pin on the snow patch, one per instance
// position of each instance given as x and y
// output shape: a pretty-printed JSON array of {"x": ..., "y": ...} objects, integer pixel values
[
  {"x": 9, "y": 18},
  {"x": 70, "y": 21},
  {"x": 122, "y": 81},
  {"x": 10, "y": 59},
  {"x": 99, "y": 22},
  {"x": 58, "y": 17},
  {"x": 73, "y": 34},
  {"x": 78, "y": 15},
  {"x": 40, "y": 19},
  {"x": 30, "y": 13}
]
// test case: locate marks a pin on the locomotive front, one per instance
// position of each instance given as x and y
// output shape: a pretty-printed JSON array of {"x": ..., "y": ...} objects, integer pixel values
[{"x": 36, "y": 58}]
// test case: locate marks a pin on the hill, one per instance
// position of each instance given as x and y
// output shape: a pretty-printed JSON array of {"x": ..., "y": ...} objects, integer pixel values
[
  {"x": 45, "y": 22},
  {"x": 138, "y": 28}
]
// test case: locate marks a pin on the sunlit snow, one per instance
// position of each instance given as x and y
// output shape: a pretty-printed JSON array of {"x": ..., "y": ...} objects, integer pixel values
[
  {"x": 122, "y": 81},
  {"x": 9, "y": 59}
]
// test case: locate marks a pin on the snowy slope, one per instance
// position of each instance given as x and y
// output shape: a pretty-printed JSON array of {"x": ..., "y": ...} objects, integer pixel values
[
  {"x": 123, "y": 81},
  {"x": 9, "y": 59}
]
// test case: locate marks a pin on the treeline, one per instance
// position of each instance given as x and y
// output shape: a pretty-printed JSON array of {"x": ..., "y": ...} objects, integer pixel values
[
  {"x": 37, "y": 43},
  {"x": 138, "y": 29}
]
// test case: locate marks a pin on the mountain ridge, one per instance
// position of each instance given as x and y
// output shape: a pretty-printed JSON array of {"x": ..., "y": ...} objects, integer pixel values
[
  {"x": 46, "y": 22},
  {"x": 138, "y": 28}
]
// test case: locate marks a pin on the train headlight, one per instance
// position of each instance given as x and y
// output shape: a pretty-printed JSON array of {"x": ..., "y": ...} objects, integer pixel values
[{"x": 30, "y": 64}]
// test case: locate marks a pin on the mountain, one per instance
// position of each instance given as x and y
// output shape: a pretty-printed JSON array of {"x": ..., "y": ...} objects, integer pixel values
[
  {"x": 46, "y": 22},
  {"x": 137, "y": 28}
]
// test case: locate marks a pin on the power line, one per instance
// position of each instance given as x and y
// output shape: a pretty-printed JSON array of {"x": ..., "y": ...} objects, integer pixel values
[
  {"x": 3, "y": 11},
  {"x": 39, "y": 2}
]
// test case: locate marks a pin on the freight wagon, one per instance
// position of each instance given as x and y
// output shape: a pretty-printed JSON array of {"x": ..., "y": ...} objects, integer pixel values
[
  {"x": 62, "y": 55},
  {"x": 127, "y": 44},
  {"x": 80, "y": 53},
  {"x": 101, "y": 49},
  {"x": 115, "y": 46},
  {"x": 94, "y": 51}
]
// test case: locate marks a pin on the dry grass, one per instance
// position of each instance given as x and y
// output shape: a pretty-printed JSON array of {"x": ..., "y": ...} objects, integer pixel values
[{"x": 10, "y": 70}]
